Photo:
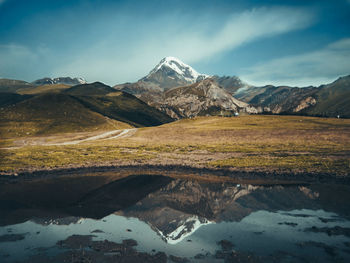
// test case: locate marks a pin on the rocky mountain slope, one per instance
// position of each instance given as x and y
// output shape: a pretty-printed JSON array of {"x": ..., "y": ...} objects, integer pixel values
[
  {"x": 199, "y": 99},
  {"x": 277, "y": 100},
  {"x": 327, "y": 100}
]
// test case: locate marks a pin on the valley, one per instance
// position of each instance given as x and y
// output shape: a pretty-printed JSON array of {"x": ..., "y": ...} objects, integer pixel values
[{"x": 275, "y": 145}]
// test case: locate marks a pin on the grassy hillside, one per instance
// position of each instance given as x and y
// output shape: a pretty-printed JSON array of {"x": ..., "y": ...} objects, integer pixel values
[
  {"x": 49, "y": 88},
  {"x": 93, "y": 89},
  {"x": 11, "y": 98},
  {"x": 126, "y": 108},
  {"x": 49, "y": 114}
]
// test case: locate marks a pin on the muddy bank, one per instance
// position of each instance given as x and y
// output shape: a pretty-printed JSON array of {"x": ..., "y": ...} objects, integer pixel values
[{"x": 180, "y": 171}]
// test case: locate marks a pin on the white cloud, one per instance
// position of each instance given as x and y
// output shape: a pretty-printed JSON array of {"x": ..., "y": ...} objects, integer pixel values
[
  {"x": 314, "y": 68},
  {"x": 116, "y": 59}
]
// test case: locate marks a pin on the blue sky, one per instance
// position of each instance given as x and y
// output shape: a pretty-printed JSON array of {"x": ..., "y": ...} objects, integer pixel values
[{"x": 285, "y": 42}]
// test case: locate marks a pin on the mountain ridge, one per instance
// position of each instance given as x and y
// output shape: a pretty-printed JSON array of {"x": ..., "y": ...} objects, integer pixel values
[
  {"x": 157, "y": 89},
  {"x": 59, "y": 80}
]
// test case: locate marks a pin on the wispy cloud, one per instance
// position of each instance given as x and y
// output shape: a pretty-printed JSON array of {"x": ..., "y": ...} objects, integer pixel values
[
  {"x": 314, "y": 68},
  {"x": 117, "y": 59}
]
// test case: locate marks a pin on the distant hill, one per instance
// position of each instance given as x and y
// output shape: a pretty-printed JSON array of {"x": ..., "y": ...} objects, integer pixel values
[
  {"x": 61, "y": 80},
  {"x": 93, "y": 89},
  {"x": 12, "y": 85},
  {"x": 47, "y": 88}
]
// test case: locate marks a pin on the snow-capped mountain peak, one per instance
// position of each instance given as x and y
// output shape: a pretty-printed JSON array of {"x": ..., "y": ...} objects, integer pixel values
[
  {"x": 184, "y": 229},
  {"x": 60, "y": 80},
  {"x": 176, "y": 69}
]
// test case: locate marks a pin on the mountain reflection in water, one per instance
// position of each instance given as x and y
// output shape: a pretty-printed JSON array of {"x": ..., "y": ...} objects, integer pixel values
[{"x": 187, "y": 220}]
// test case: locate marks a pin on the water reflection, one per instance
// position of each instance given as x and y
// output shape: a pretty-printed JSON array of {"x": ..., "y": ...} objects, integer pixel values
[{"x": 204, "y": 222}]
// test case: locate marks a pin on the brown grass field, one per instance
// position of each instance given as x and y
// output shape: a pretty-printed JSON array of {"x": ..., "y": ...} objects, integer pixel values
[{"x": 253, "y": 143}]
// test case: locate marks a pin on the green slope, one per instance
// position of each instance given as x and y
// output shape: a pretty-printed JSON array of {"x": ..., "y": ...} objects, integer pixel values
[
  {"x": 93, "y": 89},
  {"x": 48, "y": 88},
  {"x": 126, "y": 108},
  {"x": 11, "y": 98},
  {"x": 50, "y": 114}
]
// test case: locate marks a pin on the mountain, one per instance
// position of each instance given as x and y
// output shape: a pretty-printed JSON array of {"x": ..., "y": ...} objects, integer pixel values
[
  {"x": 170, "y": 72},
  {"x": 201, "y": 98},
  {"x": 12, "y": 85},
  {"x": 332, "y": 99},
  {"x": 282, "y": 99},
  {"x": 61, "y": 80},
  {"x": 327, "y": 100},
  {"x": 180, "y": 91}
]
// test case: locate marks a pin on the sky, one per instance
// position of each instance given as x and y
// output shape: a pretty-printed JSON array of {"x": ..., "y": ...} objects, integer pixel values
[{"x": 280, "y": 42}]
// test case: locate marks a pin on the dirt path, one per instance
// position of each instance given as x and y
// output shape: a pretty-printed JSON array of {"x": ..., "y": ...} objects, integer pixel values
[
  {"x": 115, "y": 134},
  {"x": 106, "y": 135}
]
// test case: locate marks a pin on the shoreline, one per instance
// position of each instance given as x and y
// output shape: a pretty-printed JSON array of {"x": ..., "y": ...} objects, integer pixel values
[{"x": 181, "y": 171}]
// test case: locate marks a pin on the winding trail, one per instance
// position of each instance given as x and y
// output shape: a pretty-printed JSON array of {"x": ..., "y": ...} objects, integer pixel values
[
  {"x": 115, "y": 134},
  {"x": 106, "y": 135}
]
